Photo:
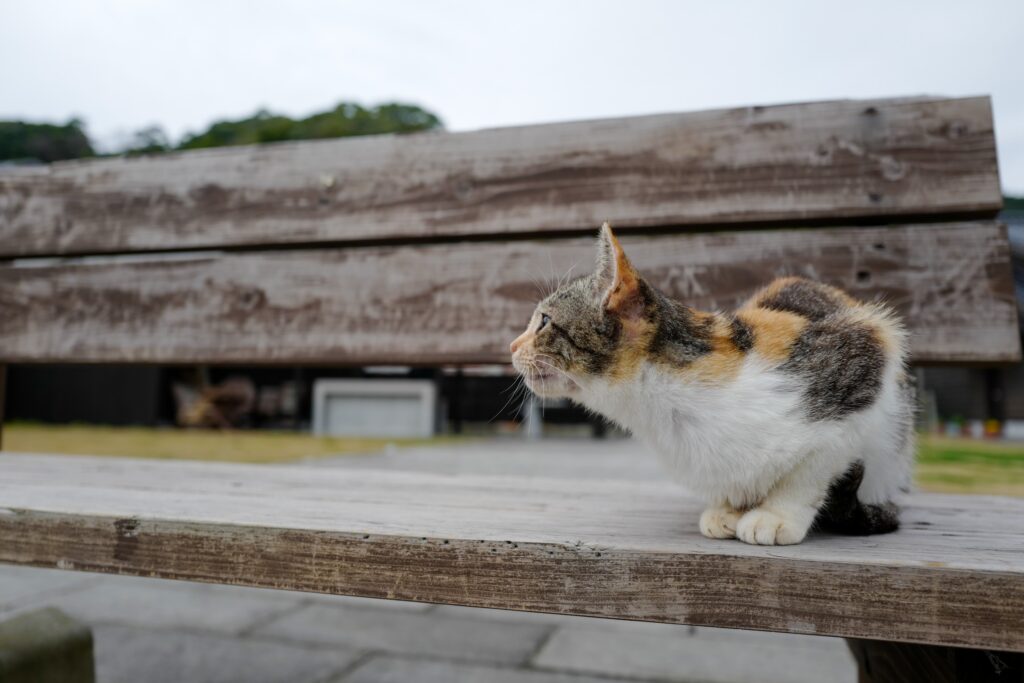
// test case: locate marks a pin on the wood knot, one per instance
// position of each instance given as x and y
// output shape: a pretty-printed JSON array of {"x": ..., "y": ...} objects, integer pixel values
[
  {"x": 252, "y": 298},
  {"x": 463, "y": 189},
  {"x": 126, "y": 542}
]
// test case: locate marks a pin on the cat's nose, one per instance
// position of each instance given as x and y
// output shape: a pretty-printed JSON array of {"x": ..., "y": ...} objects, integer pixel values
[{"x": 519, "y": 341}]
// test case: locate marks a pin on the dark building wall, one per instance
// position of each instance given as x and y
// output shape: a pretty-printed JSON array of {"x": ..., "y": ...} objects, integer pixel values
[
  {"x": 142, "y": 395},
  {"x": 959, "y": 392},
  {"x": 99, "y": 394}
]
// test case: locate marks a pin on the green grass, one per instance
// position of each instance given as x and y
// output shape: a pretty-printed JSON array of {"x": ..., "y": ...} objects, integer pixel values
[
  {"x": 140, "y": 442},
  {"x": 969, "y": 466}
]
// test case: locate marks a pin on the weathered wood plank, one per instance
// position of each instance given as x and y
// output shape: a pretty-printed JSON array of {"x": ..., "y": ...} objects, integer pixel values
[
  {"x": 463, "y": 303},
  {"x": 953, "y": 576},
  {"x": 802, "y": 162}
]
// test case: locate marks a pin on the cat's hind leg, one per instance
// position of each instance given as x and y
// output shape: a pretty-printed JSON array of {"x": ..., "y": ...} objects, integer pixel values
[
  {"x": 788, "y": 511},
  {"x": 719, "y": 521}
]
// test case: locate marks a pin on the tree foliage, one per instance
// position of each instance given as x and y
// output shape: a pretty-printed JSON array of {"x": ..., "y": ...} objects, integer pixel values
[
  {"x": 345, "y": 120},
  {"x": 21, "y": 141},
  {"x": 45, "y": 142}
]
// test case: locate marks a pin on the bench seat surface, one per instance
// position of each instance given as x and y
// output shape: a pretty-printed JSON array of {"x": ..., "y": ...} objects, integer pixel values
[{"x": 954, "y": 575}]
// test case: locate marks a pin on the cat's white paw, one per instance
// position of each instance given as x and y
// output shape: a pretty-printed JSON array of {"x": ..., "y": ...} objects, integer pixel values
[
  {"x": 719, "y": 522},
  {"x": 764, "y": 527}
]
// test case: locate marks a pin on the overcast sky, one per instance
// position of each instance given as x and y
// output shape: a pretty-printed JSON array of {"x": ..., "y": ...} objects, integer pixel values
[{"x": 125, "y": 64}]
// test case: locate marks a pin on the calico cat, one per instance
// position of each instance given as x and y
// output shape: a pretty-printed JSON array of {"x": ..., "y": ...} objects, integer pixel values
[{"x": 793, "y": 411}]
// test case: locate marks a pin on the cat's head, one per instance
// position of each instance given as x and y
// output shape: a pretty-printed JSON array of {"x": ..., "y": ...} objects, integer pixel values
[{"x": 593, "y": 327}]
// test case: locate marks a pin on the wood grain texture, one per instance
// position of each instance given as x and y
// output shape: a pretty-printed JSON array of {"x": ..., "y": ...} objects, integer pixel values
[
  {"x": 954, "y": 575},
  {"x": 802, "y": 162},
  {"x": 463, "y": 303}
]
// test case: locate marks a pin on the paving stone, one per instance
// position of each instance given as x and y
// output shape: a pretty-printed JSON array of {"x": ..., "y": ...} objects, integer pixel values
[
  {"x": 23, "y": 586},
  {"x": 409, "y": 633},
  {"x": 133, "y": 655},
  {"x": 176, "y": 604},
  {"x": 403, "y": 670},
  {"x": 712, "y": 655}
]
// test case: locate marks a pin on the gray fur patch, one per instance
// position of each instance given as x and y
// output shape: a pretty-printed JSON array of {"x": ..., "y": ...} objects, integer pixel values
[
  {"x": 811, "y": 300},
  {"x": 678, "y": 337},
  {"x": 842, "y": 364},
  {"x": 742, "y": 336},
  {"x": 580, "y": 333}
]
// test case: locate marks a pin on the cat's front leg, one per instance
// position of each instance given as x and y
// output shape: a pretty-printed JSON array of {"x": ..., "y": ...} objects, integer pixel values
[
  {"x": 719, "y": 521},
  {"x": 788, "y": 511}
]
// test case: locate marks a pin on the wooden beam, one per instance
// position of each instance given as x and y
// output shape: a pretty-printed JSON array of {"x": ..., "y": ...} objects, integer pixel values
[
  {"x": 954, "y": 575},
  {"x": 824, "y": 161},
  {"x": 463, "y": 303}
]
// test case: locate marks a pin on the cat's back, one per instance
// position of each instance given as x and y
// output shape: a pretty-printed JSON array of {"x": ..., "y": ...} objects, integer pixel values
[
  {"x": 842, "y": 350},
  {"x": 808, "y": 299}
]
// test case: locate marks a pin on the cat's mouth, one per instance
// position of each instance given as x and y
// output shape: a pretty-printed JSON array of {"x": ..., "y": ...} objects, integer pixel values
[{"x": 548, "y": 383}]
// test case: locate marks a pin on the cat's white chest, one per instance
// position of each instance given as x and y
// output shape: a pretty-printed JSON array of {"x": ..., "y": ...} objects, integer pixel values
[{"x": 719, "y": 441}]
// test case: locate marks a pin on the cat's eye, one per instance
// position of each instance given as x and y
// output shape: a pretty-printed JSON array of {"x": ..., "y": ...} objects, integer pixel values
[{"x": 544, "y": 320}]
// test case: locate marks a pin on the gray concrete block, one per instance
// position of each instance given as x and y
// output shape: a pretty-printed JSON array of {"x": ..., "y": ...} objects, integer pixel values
[
  {"x": 45, "y": 646},
  {"x": 23, "y": 586},
  {"x": 409, "y": 633},
  {"x": 403, "y": 670},
  {"x": 176, "y": 604},
  {"x": 712, "y": 655},
  {"x": 132, "y": 655}
]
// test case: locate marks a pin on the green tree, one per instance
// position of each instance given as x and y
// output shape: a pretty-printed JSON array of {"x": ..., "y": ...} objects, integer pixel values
[
  {"x": 44, "y": 142},
  {"x": 149, "y": 140},
  {"x": 345, "y": 120}
]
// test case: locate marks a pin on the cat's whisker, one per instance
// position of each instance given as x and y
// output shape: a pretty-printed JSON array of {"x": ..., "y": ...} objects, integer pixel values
[
  {"x": 520, "y": 382},
  {"x": 548, "y": 364},
  {"x": 553, "y": 276},
  {"x": 539, "y": 285},
  {"x": 564, "y": 280}
]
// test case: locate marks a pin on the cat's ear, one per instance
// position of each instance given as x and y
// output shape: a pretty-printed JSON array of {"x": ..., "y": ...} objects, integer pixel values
[{"x": 617, "y": 281}]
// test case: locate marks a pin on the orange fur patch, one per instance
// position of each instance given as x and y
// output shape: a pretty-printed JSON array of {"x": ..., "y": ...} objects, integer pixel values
[
  {"x": 774, "y": 331},
  {"x": 723, "y": 362},
  {"x": 629, "y": 359}
]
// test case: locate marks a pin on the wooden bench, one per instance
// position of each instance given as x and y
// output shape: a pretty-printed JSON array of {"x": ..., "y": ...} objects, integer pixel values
[{"x": 425, "y": 250}]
